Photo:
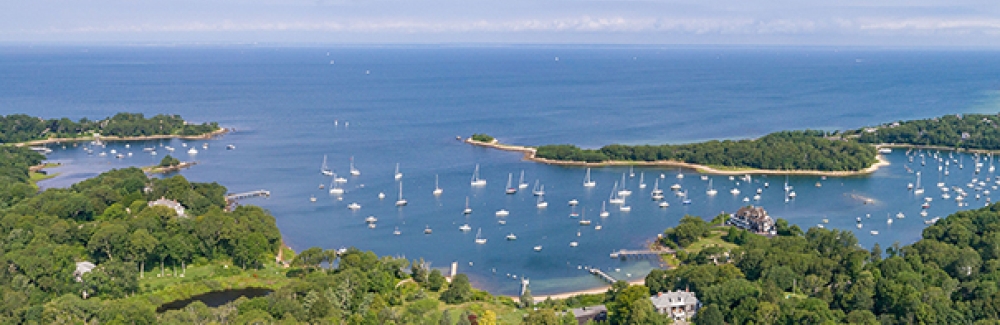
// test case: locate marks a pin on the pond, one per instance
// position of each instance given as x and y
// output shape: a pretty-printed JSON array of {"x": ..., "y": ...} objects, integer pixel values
[{"x": 215, "y": 298}]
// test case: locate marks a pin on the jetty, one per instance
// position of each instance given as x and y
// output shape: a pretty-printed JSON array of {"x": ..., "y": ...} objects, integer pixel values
[
  {"x": 232, "y": 199},
  {"x": 627, "y": 253},
  {"x": 604, "y": 276}
]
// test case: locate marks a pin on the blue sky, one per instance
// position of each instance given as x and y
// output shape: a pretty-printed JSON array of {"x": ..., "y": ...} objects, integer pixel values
[{"x": 944, "y": 23}]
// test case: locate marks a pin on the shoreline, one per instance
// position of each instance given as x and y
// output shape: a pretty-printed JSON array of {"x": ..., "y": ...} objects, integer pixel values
[
  {"x": 529, "y": 154},
  {"x": 570, "y": 294},
  {"x": 205, "y": 136}
]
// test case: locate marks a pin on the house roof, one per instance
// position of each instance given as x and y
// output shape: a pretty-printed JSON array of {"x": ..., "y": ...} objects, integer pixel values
[{"x": 674, "y": 299}]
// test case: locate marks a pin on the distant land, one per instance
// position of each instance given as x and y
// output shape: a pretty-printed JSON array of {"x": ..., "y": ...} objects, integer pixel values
[
  {"x": 809, "y": 152},
  {"x": 28, "y": 130}
]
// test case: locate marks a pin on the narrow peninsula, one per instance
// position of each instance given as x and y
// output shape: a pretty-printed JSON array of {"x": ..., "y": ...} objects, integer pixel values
[{"x": 809, "y": 152}]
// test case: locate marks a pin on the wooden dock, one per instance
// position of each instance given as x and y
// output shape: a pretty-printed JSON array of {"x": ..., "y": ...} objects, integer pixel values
[
  {"x": 602, "y": 275},
  {"x": 232, "y": 199},
  {"x": 626, "y": 253}
]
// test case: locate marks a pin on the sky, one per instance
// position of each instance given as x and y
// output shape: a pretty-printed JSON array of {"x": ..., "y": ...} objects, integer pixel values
[{"x": 909, "y": 23}]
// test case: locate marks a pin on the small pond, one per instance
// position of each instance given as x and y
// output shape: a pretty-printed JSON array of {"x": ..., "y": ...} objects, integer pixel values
[{"x": 215, "y": 298}]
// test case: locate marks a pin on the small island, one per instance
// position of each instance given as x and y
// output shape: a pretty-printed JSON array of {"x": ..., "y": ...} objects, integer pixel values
[
  {"x": 168, "y": 164},
  {"x": 20, "y": 129}
]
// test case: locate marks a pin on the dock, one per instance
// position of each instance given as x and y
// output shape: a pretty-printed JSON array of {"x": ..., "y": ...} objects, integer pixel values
[
  {"x": 626, "y": 253},
  {"x": 604, "y": 276},
  {"x": 232, "y": 199}
]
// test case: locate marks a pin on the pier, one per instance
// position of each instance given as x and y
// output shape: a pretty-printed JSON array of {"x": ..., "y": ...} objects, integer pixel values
[
  {"x": 626, "y": 253},
  {"x": 232, "y": 199},
  {"x": 604, "y": 276}
]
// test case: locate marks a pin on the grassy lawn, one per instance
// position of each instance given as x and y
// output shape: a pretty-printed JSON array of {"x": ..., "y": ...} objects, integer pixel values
[{"x": 714, "y": 239}]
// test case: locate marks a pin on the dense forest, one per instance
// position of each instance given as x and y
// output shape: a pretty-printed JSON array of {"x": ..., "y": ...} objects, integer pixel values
[
  {"x": 823, "y": 277},
  {"x": 789, "y": 150},
  {"x": 971, "y": 131},
  {"x": 21, "y": 128}
]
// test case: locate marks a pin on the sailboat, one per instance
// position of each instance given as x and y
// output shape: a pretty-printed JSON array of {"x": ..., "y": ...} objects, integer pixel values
[
  {"x": 467, "y": 210},
  {"x": 476, "y": 181},
  {"x": 322, "y": 169},
  {"x": 623, "y": 207},
  {"x": 437, "y": 188},
  {"x": 510, "y": 188},
  {"x": 642, "y": 182},
  {"x": 624, "y": 192},
  {"x": 354, "y": 171},
  {"x": 520, "y": 183},
  {"x": 398, "y": 175},
  {"x": 540, "y": 191},
  {"x": 583, "y": 218},
  {"x": 479, "y": 237},
  {"x": 604, "y": 210},
  {"x": 587, "y": 182},
  {"x": 711, "y": 191},
  {"x": 335, "y": 188},
  {"x": 541, "y": 202},
  {"x": 401, "y": 201},
  {"x": 615, "y": 199},
  {"x": 918, "y": 190},
  {"x": 631, "y": 172},
  {"x": 656, "y": 188},
  {"x": 339, "y": 179}
]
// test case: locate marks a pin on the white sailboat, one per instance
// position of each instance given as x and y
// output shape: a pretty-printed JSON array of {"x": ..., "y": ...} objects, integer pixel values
[
  {"x": 401, "y": 201},
  {"x": 476, "y": 181},
  {"x": 587, "y": 182},
  {"x": 510, "y": 188},
  {"x": 623, "y": 207},
  {"x": 520, "y": 183},
  {"x": 656, "y": 187},
  {"x": 541, "y": 204},
  {"x": 583, "y": 218},
  {"x": 918, "y": 190},
  {"x": 540, "y": 191},
  {"x": 604, "y": 210},
  {"x": 437, "y": 188},
  {"x": 467, "y": 210},
  {"x": 642, "y": 182},
  {"x": 322, "y": 169},
  {"x": 354, "y": 171},
  {"x": 398, "y": 175},
  {"x": 615, "y": 198},
  {"x": 479, "y": 237},
  {"x": 335, "y": 188},
  {"x": 624, "y": 191},
  {"x": 711, "y": 191}
]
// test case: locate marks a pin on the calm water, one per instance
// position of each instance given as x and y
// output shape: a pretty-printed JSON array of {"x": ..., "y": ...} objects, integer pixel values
[{"x": 406, "y": 105}]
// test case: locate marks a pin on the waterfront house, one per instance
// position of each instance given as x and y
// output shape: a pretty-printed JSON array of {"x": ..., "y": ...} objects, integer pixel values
[
  {"x": 173, "y": 204},
  {"x": 754, "y": 219},
  {"x": 679, "y": 305},
  {"x": 597, "y": 313}
]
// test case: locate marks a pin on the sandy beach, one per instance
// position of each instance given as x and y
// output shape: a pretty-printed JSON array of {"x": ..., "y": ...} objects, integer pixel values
[
  {"x": 565, "y": 295},
  {"x": 209, "y": 135},
  {"x": 529, "y": 154}
]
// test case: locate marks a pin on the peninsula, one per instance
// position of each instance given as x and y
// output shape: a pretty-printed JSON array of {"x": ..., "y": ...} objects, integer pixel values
[
  {"x": 20, "y": 129},
  {"x": 809, "y": 152},
  {"x": 782, "y": 153}
]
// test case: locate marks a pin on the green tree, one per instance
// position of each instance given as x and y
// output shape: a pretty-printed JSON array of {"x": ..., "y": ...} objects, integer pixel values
[
  {"x": 543, "y": 316},
  {"x": 435, "y": 281},
  {"x": 627, "y": 301},
  {"x": 459, "y": 290},
  {"x": 169, "y": 161},
  {"x": 526, "y": 299},
  {"x": 709, "y": 315}
]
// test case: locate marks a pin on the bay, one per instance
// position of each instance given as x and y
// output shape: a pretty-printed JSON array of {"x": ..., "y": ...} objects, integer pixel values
[{"x": 389, "y": 105}]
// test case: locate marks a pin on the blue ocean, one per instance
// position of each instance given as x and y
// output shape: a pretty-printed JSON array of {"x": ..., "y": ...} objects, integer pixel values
[{"x": 383, "y": 106}]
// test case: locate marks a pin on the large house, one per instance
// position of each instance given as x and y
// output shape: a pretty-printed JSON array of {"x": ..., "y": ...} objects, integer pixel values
[
  {"x": 754, "y": 219},
  {"x": 680, "y": 305},
  {"x": 173, "y": 204},
  {"x": 597, "y": 313}
]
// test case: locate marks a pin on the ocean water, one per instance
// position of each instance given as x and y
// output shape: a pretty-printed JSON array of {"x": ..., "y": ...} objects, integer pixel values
[{"x": 387, "y": 105}]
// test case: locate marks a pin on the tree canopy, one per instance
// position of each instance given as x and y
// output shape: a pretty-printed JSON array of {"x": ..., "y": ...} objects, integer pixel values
[{"x": 22, "y": 128}]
